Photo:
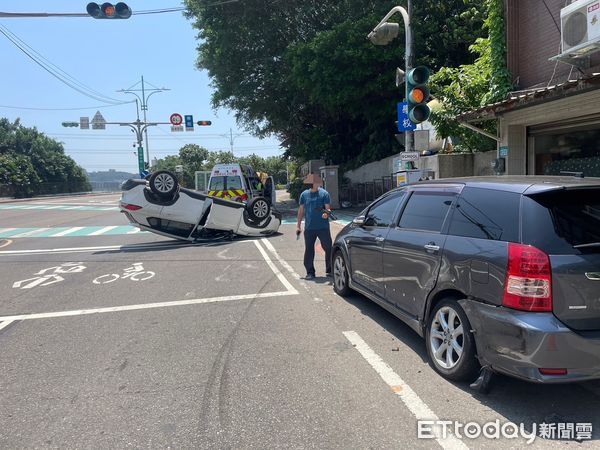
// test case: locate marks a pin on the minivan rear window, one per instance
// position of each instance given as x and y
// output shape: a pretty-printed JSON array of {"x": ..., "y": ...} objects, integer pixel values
[{"x": 562, "y": 222}]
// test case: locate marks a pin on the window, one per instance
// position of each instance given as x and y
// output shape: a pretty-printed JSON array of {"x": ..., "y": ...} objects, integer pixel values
[
  {"x": 382, "y": 213},
  {"x": 560, "y": 222},
  {"x": 217, "y": 184},
  {"x": 427, "y": 210},
  {"x": 486, "y": 214},
  {"x": 234, "y": 183}
]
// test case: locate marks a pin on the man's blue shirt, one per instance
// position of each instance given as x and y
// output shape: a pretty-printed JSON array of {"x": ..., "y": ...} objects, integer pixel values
[{"x": 314, "y": 202}]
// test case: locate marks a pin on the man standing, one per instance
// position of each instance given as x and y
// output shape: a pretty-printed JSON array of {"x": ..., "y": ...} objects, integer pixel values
[{"x": 315, "y": 207}]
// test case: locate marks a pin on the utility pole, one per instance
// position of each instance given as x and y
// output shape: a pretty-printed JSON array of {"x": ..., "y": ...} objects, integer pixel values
[
  {"x": 231, "y": 137},
  {"x": 409, "y": 62},
  {"x": 144, "y": 105}
]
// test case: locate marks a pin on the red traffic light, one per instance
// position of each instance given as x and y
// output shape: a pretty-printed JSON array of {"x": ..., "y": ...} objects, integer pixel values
[
  {"x": 109, "y": 11},
  {"x": 204, "y": 122}
]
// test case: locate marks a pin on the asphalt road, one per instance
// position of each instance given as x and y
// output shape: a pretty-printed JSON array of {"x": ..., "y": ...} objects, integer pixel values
[{"x": 112, "y": 338}]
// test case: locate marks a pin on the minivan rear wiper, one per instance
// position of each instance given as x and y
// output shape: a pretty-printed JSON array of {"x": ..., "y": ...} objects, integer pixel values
[{"x": 591, "y": 244}]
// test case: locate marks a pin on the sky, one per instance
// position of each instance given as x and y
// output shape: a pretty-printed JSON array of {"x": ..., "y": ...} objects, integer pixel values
[{"x": 109, "y": 55}]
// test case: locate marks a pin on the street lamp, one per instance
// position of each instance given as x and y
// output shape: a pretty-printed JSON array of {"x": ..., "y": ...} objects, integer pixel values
[{"x": 383, "y": 34}]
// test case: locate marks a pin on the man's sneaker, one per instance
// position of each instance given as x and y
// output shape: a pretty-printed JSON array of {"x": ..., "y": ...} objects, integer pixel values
[{"x": 310, "y": 276}]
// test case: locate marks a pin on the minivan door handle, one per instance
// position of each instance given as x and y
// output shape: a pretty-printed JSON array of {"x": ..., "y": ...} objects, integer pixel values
[{"x": 431, "y": 247}]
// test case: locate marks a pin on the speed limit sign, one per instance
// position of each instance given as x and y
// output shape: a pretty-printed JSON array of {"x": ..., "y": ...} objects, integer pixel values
[{"x": 176, "y": 119}]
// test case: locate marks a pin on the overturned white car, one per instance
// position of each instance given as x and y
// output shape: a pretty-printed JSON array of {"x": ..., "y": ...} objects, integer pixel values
[{"x": 161, "y": 206}]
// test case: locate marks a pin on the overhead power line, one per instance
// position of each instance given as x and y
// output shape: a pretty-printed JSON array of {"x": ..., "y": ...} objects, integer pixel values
[
  {"x": 61, "y": 109},
  {"x": 56, "y": 71}
]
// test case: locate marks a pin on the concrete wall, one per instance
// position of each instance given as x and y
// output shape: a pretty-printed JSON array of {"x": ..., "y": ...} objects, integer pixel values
[
  {"x": 444, "y": 166},
  {"x": 368, "y": 172}
]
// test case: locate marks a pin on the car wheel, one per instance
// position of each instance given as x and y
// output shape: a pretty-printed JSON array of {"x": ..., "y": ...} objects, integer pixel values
[
  {"x": 259, "y": 209},
  {"x": 340, "y": 274},
  {"x": 450, "y": 342},
  {"x": 163, "y": 183}
]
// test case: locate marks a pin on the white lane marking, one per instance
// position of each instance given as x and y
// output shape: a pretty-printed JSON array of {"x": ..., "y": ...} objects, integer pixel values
[
  {"x": 101, "y": 248},
  {"x": 283, "y": 262},
  {"x": 197, "y": 301},
  {"x": 102, "y": 230},
  {"x": 68, "y": 231},
  {"x": 134, "y": 231},
  {"x": 5, "y": 323},
  {"x": 6, "y": 230},
  {"x": 7, "y": 243},
  {"x": 68, "y": 208},
  {"x": 409, "y": 397},
  {"x": 29, "y": 233},
  {"x": 275, "y": 270},
  {"x": 53, "y": 207}
]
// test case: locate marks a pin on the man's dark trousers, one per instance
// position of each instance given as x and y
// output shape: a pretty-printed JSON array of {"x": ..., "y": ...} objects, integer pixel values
[{"x": 310, "y": 237}]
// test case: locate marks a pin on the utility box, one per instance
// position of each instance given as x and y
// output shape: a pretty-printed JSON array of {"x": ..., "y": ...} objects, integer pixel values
[{"x": 330, "y": 175}]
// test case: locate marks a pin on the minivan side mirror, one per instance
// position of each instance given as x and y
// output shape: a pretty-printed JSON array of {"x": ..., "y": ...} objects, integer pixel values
[{"x": 359, "y": 221}]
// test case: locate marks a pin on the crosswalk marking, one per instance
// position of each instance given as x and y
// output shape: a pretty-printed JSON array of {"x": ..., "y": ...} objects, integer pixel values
[
  {"x": 102, "y": 231},
  {"x": 67, "y": 231},
  {"x": 29, "y": 233}
]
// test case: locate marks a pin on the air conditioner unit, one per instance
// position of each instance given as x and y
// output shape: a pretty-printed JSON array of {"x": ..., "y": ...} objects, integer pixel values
[{"x": 580, "y": 28}]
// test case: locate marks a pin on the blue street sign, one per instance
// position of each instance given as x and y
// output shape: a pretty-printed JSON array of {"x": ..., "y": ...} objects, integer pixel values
[
  {"x": 189, "y": 123},
  {"x": 404, "y": 123}
]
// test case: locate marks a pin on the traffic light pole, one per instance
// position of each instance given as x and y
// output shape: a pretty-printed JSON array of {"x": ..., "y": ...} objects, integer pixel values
[{"x": 408, "y": 55}]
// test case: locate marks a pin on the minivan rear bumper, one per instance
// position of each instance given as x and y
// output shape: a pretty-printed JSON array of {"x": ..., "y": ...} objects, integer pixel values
[{"x": 519, "y": 343}]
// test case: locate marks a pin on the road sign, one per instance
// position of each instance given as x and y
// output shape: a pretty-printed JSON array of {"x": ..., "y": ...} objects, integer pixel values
[
  {"x": 409, "y": 156},
  {"x": 189, "y": 123},
  {"x": 177, "y": 128},
  {"x": 98, "y": 121},
  {"x": 421, "y": 140},
  {"x": 404, "y": 123},
  {"x": 503, "y": 153},
  {"x": 140, "y": 155},
  {"x": 176, "y": 119},
  {"x": 84, "y": 123}
]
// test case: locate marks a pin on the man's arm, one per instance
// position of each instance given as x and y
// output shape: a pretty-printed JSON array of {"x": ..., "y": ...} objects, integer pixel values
[{"x": 300, "y": 217}]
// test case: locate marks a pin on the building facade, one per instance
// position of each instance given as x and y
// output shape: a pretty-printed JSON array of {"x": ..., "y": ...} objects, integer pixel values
[{"x": 551, "y": 121}]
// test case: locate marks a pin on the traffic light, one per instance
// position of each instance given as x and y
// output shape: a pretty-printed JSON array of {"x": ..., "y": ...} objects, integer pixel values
[
  {"x": 417, "y": 94},
  {"x": 109, "y": 11},
  {"x": 70, "y": 124},
  {"x": 204, "y": 123}
]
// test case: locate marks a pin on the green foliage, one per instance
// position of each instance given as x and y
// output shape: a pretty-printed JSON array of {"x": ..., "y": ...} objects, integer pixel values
[
  {"x": 296, "y": 188},
  {"x": 31, "y": 163},
  {"x": 471, "y": 86},
  {"x": 305, "y": 72}
]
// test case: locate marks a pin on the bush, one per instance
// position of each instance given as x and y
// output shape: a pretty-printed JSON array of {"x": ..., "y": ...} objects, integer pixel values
[{"x": 296, "y": 188}]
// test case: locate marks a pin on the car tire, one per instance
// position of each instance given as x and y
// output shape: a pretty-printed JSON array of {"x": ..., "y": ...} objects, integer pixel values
[
  {"x": 450, "y": 342},
  {"x": 341, "y": 284},
  {"x": 258, "y": 209},
  {"x": 163, "y": 183}
]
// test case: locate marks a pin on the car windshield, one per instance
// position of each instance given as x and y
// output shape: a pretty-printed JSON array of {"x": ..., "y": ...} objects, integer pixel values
[
  {"x": 234, "y": 183},
  {"x": 217, "y": 184}
]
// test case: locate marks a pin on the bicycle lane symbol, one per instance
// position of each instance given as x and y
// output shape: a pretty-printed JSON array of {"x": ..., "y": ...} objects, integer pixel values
[{"x": 134, "y": 273}]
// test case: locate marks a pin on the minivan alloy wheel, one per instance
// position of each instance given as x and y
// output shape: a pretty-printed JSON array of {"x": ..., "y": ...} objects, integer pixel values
[
  {"x": 446, "y": 337},
  {"x": 339, "y": 273}
]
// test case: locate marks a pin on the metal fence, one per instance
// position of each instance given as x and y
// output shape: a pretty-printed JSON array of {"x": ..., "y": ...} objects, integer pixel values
[{"x": 362, "y": 193}]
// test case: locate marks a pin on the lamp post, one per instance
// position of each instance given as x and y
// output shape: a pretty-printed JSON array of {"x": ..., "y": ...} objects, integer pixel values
[
  {"x": 144, "y": 105},
  {"x": 383, "y": 34}
]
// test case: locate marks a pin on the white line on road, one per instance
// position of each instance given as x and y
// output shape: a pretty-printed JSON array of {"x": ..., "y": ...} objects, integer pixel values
[
  {"x": 6, "y": 323},
  {"x": 409, "y": 397},
  {"x": 68, "y": 208},
  {"x": 275, "y": 270},
  {"x": 283, "y": 262},
  {"x": 29, "y": 233},
  {"x": 197, "y": 301},
  {"x": 68, "y": 231},
  {"x": 6, "y": 230},
  {"x": 102, "y": 231}
]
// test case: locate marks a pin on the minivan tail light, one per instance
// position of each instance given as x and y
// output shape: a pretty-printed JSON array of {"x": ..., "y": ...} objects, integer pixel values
[{"x": 528, "y": 284}]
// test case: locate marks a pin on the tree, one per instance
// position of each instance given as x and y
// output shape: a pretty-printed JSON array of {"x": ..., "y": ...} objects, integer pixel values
[
  {"x": 471, "y": 86},
  {"x": 303, "y": 71},
  {"x": 32, "y": 163}
]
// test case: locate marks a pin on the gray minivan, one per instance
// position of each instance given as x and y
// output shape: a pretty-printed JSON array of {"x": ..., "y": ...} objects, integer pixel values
[{"x": 494, "y": 272}]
